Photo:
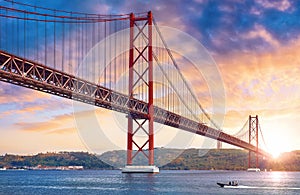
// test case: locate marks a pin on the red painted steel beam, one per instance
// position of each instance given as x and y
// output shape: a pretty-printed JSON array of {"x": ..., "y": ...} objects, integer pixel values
[
  {"x": 137, "y": 77},
  {"x": 150, "y": 92},
  {"x": 130, "y": 92}
]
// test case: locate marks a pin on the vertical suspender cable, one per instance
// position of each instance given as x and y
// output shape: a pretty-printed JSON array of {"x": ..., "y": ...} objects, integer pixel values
[
  {"x": 10, "y": 34},
  {"x": 169, "y": 88},
  {"x": 37, "y": 36},
  {"x": 6, "y": 29},
  {"x": 77, "y": 40},
  {"x": 70, "y": 47},
  {"x": 81, "y": 56},
  {"x": 93, "y": 53},
  {"x": 54, "y": 41},
  {"x": 85, "y": 48},
  {"x": 115, "y": 56},
  {"x": 18, "y": 41},
  {"x": 63, "y": 45},
  {"x": 109, "y": 54},
  {"x": 11, "y": 37},
  {"x": 124, "y": 72},
  {"x": 126, "y": 41},
  {"x": 105, "y": 54},
  {"x": 96, "y": 52},
  {"x": 1, "y": 31},
  {"x": 99, "y": 74},
  {"x": 137, "y": 65},
  {"x": 78, "y": 56},
  {"x": 142, "y": 69},
  {"x": 78, "y": 28},
  {"x": 24, "y": 35},
  {"x": 45, "y": 41}
]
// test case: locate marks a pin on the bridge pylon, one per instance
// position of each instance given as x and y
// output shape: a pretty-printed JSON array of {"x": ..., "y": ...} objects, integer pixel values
[
  {"x": 141, "y": 74},
  {"x": 253, "y": 138},
  {"x": 219, "y": 145}
]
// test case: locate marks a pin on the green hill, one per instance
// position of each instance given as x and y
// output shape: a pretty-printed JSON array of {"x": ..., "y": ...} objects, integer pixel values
[
  {"x": 205, "y": 159},
  {"x": 162, "y": 156},
  {"x": 225, "y": 159},
  {"x": 88, "y": 161},
  {"x": 175, "y": 159},
  {"x": 232, "y": 159}
]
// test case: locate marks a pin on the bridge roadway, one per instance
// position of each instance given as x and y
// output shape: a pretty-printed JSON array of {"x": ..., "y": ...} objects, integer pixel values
[{"x": 29, "y": 74}]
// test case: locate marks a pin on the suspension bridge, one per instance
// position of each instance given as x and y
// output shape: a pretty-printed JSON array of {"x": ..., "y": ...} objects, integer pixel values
[{"x": 117, "y": 62}]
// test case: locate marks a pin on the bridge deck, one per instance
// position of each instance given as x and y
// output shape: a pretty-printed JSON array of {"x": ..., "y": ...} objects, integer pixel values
[{"x": 29, "y": 74}]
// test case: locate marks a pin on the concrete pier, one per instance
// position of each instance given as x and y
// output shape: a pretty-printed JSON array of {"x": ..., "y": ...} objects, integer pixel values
[{"x": 140, "y": 169}]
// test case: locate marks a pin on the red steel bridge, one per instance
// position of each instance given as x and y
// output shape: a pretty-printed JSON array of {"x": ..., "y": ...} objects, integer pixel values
[{"x": 117, "y": 62}]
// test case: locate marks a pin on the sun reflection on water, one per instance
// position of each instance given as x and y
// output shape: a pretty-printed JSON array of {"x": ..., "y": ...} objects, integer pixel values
[{"x": 277, "y": 176}]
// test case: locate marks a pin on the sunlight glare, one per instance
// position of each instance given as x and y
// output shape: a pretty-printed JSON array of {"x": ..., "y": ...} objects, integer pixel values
[{"x": 277, "y": 145}]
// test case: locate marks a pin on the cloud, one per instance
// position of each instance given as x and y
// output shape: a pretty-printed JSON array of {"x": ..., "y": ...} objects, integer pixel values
[
  {"x": 13, "y": 93},
  {"x": 62, "y": 131},
  {"x": 216, "y": 24},
  {"x": 58, "y": 124},
  {"x": 22, "y": 103},
  {"x": 260, "y": 32},
  {"x": 26, "y": 110},
  {"x": 281, "y": 5},
  {"x": 62, "y": 123},
  {"x": 268, "y": 80}
]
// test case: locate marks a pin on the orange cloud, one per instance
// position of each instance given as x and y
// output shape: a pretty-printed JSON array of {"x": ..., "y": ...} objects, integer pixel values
[
  {"x": 62, "y": 131},
  {"x": 265, "y": 84},
  {"x": 58, "y": 124},
  {"x": 267, "y": 80}
]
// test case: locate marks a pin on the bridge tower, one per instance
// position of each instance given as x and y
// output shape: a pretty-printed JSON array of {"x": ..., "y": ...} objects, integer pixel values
[
  {"x": 219, "y": 145},
  {"x": 253, "y": 138},
  {"x": 140, "y": 55}
]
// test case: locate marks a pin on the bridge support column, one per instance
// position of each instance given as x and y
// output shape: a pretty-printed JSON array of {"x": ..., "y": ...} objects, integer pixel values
[
  {"x": 219, "y": 145},
  {"x": 141, "y": 81},
  {"x": 253, "y": 137}
]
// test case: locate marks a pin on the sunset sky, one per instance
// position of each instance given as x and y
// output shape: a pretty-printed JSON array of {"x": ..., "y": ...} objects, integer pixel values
[{"x": 255, "y": 44}]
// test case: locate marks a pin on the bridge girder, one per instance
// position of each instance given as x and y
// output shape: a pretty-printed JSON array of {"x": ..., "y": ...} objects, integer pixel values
[{"x": 29, "y": 74}]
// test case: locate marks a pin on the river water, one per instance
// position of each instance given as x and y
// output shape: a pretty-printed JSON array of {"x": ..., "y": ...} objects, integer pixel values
[{"x": 166, "y": 182}]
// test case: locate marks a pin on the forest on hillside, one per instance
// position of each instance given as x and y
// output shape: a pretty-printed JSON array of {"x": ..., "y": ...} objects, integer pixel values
[{"x": 174, "y": 159}]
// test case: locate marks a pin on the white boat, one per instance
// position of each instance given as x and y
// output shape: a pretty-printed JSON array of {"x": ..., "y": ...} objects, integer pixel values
[
  {"x": 253, "y": 170},
  {"x": 140, "y": 169},
  {"x": 3, "y": 169}
]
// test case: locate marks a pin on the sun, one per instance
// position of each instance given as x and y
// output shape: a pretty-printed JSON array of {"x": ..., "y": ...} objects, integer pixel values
[
  {"x": 276, "y": 145},
  {"x": 276, "y": 153}
]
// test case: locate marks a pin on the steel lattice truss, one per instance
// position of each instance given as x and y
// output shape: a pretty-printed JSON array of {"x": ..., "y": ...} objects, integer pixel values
[
  {"x": 29, "y": 74},
  {"x": 253, "y": 138}
]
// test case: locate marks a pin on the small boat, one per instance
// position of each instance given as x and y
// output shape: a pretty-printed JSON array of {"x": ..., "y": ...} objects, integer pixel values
[{"x": 231, "y": 183}]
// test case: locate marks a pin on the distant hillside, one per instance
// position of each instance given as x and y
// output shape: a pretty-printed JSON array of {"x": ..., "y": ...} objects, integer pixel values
[
  {"x": 162, "y": 156},
  {"x": 289, "y": 161},
  {"x": 202, "y": 159},
  {"x": 88, "y": 161},
  {"x": 175, "y": 159},
  {"x": 232, "y": 159},
  {"x": 224, "y": 159},
  {"x": 185, "y": 159}
]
